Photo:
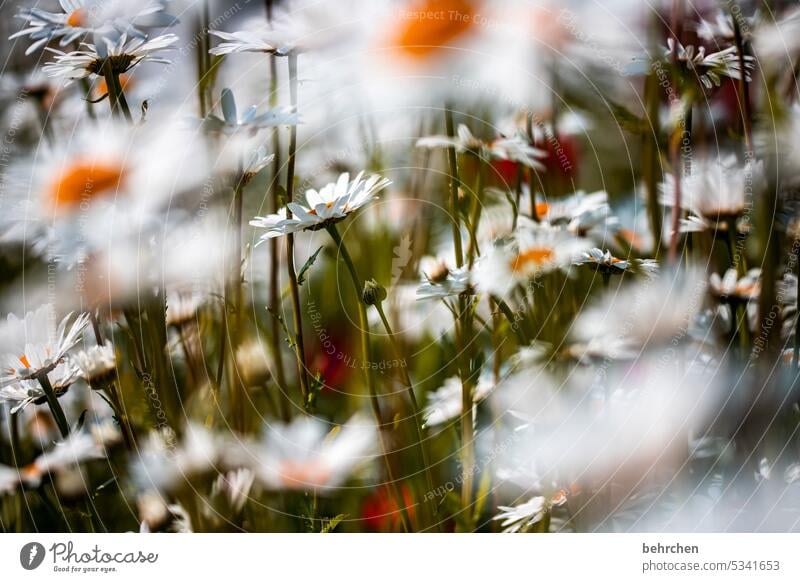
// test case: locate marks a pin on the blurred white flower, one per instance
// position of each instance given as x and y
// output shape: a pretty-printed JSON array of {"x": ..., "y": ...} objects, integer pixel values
[
  {"x": 445, "y": 403},
  {"x": 97, "y": 364},
  {"x": 733, "y": 288},
  {"x": 80, "y": 18},
  {"x": 305, "y": 455},
  {"x": 515, "y": 149},
  {"x": 652, "y": 311},
  {"x": 717, "y": 190},
  {"x": 235, "y": 487}
]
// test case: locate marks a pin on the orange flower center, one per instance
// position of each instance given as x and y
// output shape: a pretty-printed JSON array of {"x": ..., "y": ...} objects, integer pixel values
[
  {"x": 426, "y": 26},
  {"x": 532, "y": 258},
  {"x": 82, "y": 181},
  {"x": 542, "y": 208},
  {"x": 77, "y": 17}
]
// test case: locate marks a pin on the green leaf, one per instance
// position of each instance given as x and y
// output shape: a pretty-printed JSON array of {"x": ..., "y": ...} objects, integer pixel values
[
  {"x": 330, "y": 524},
  {"x": 301, "y": 275}
]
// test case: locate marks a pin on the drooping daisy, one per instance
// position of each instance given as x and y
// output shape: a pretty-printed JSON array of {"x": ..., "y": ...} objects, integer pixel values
[
  {"x": 710, "y": 68},
  {"x": 79, "y": 18},
  {"x": 324, "y": 207},
  {"x": 532, "y": 252},
  {"x": 445, "y": 403},
  {"x": 515, "y": 149},
  {"x": 41, "y": 345},
  {"x": 123, "y": 54}
]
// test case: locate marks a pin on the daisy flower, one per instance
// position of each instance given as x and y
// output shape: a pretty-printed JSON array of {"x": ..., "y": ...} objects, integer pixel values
[
  {"x": 264, "y": 40},
  {"x": 445, "y": 403},
  {"x": 74, "y": 450},
  {"x": 515, "y": 149},
  {"x": 324, "y": 207},
  {"x": 40, "y": 346},
  {"x": 441, "y": 280},
  {"x": 532, "y": 252},
  {"x": 79, "y": 18},
  {"x": 123, "y": 54},
  {"x": 710, "y": 68},
  {"x": 607, "y": 264},
  {"x": 732, "y": 289},
  {"x": 64, "y": 201},
  {"x": 306, "y": 455},
  {"x": 521, "y": 517},
  {"x": 717, "y": 190},
  {"x": 97, "y": 364}
]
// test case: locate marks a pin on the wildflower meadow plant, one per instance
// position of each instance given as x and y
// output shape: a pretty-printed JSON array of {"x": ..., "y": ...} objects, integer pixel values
[{"x": 399, "y": 266}]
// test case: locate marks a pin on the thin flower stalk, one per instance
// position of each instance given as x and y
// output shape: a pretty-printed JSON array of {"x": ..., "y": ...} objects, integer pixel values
[{"x": 366, "y": 354}]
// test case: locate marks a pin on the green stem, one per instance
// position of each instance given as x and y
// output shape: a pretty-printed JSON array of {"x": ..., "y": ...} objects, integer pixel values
[
  {"x": 796, "y": 353},
  {"x": 116, "y": 97},
  {"x": 366, "y": 352},
  {"x": 115, "y": 399},
  {"x": 52, "y": 402},
  {"x": 454, "y": 184},
  {"x": 415, "y": 409},
  {"x": 274, "y": 257},
  {"x": 475, "y": 215},
  {"x": 506, "y": 310},
  {"x": 744, "y": 95},
  {"x": 299, "y": 345}
]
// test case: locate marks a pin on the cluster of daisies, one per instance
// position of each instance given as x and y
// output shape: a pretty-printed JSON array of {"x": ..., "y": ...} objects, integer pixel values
[{"x": 428, "y": 265}]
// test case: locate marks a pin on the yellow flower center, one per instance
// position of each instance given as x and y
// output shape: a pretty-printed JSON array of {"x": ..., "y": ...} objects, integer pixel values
[
  {"x": 426, "y": 26},
  {"x": 534, "y": 257},
  {"x": 82, "y": 181},
  {"x": 77, "y": 17}
]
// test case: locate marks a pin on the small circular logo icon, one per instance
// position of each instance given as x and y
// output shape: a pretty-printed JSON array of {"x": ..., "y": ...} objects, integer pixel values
[{"x": 31, "y": 555}]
